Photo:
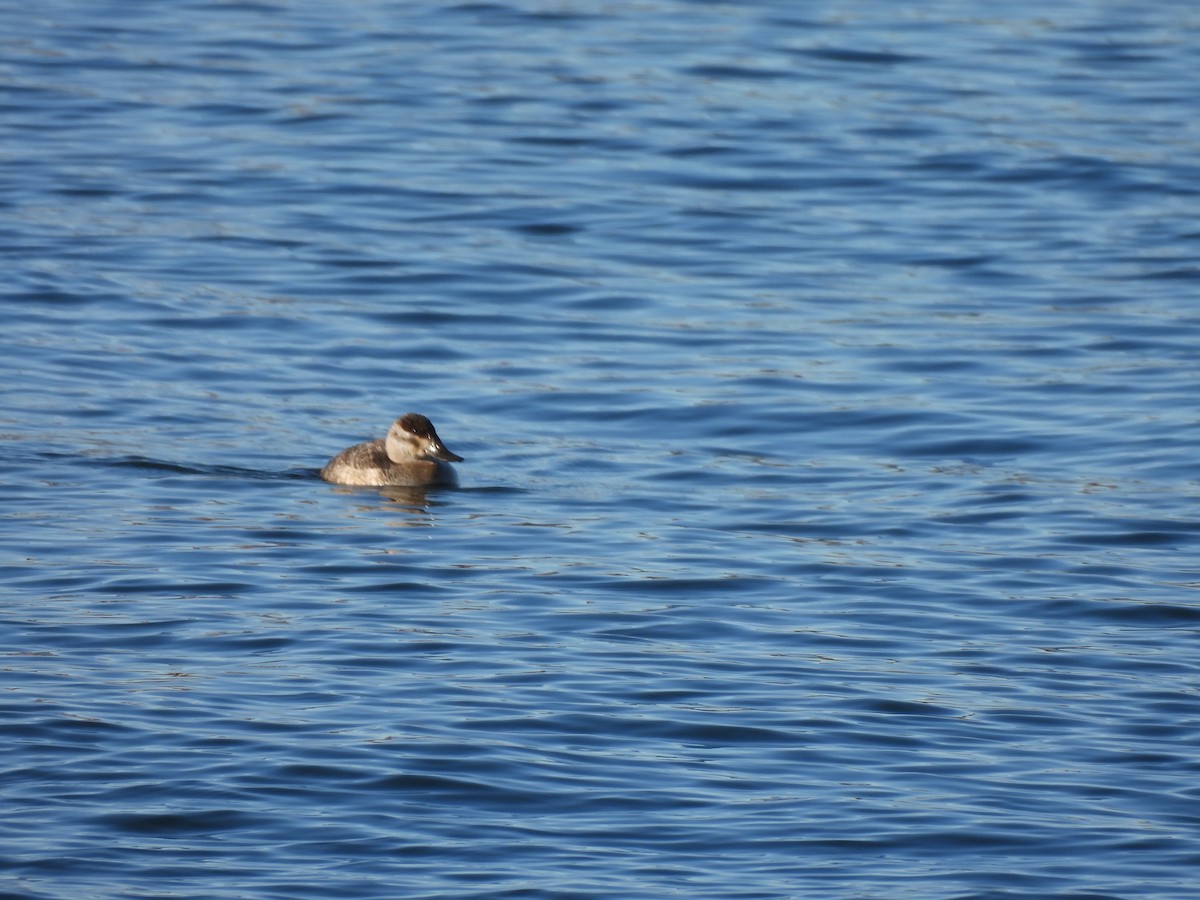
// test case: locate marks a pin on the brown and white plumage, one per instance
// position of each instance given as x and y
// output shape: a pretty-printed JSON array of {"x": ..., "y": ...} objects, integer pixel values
[{"x": 412, "y": 454}]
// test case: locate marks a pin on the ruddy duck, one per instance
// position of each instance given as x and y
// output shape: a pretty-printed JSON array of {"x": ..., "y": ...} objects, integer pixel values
[{"x": 412, "y": 454}]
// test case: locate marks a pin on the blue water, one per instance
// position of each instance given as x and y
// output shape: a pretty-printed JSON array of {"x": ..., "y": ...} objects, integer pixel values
[{"x": 827, "y": 380}]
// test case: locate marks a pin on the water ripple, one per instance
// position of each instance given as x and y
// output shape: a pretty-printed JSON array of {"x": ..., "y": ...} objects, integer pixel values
[{"x": 826, "y": 384}]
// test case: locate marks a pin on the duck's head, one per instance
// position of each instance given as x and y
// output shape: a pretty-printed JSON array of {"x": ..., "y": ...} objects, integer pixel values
[{"x": 412, "y": 436}]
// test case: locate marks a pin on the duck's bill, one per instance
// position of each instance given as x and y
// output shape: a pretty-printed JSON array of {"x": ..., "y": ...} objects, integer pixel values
[{"x": 439, "y": 451}]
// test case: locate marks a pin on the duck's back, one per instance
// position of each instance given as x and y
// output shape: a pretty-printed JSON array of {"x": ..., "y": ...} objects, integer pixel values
[{"x": 360, "y": 464}]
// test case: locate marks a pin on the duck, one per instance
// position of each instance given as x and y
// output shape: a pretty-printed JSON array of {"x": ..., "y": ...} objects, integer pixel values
[{"x": 412, "y": 455}]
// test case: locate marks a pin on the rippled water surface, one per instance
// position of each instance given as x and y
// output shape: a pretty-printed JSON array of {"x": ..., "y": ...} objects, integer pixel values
[{"x": 827, "y": 380}]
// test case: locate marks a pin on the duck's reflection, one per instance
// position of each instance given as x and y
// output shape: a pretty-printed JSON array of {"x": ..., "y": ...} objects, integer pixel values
[
  {"x": 415, "y": 497},
  {"x": 416, "y": 502}
]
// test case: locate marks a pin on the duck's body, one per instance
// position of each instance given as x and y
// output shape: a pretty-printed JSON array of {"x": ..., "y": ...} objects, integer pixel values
[{"x": 411, "y": 455}]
